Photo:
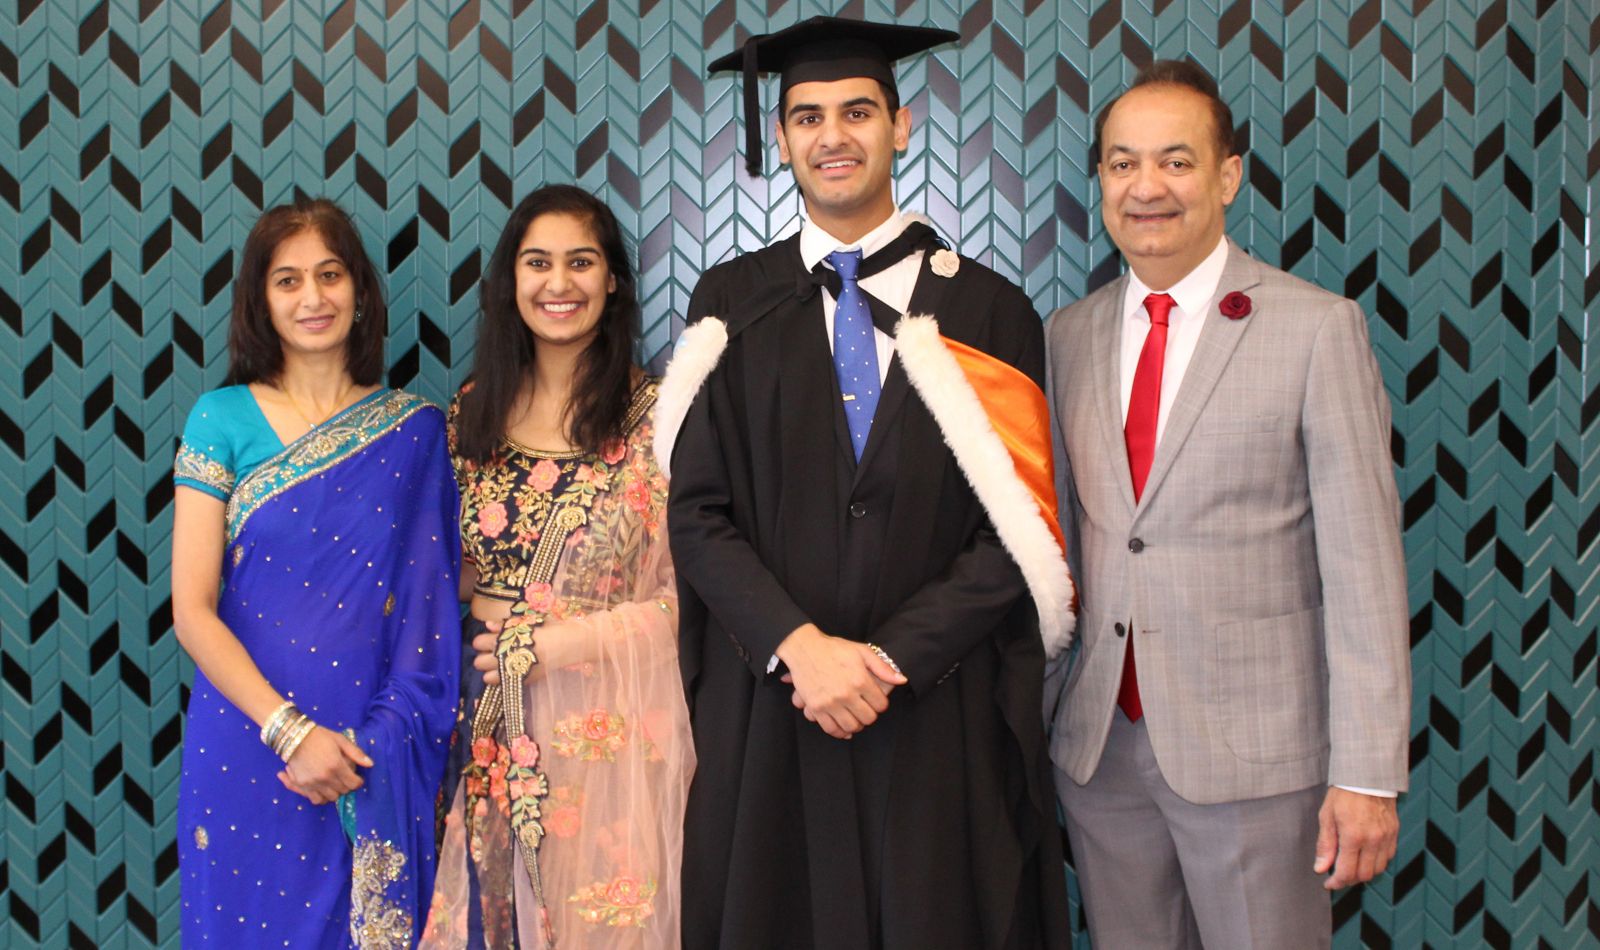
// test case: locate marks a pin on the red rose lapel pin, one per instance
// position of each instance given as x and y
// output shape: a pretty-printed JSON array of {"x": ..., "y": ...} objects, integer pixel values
[{"x": 1235, "y": 305}]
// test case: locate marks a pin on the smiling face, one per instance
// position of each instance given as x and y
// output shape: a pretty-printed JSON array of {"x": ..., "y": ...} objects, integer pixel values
[
  {"x": 310, "y": 295},
  {"x": 562, "y": 280},
  {"x": 841, "y": 139},
  {"x": 1165, "y": 184}
]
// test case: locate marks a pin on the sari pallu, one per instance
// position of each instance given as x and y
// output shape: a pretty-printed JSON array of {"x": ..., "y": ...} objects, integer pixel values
[
  {"x": 339, "y": 579},
  {"x": 567, "y": 828}
]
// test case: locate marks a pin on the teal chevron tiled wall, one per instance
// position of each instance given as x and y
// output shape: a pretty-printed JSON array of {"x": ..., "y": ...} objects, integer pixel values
[{"x": 1436, "y": 159}]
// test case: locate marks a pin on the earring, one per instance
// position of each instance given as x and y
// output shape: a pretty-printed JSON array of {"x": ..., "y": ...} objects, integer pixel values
[{"x": 358, "y": 315}]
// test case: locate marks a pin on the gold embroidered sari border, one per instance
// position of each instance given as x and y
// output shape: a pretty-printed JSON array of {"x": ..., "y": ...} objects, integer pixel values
[{"x": 317, "y": 451}]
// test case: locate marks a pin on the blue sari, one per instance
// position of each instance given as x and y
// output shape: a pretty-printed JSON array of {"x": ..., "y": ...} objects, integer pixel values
[{"x": 340, "y": 579}]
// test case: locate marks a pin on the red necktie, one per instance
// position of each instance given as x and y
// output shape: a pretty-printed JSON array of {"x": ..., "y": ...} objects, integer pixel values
[{"x": 1144, "y": 407}]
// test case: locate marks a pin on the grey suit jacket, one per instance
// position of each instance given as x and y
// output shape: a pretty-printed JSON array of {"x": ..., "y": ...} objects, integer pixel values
[{"x": 1261, "y": 570}]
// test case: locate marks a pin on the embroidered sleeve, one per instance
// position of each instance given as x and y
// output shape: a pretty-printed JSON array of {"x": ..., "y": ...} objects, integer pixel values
[
  {"x": 196, "y": 469},
  {"x": 205, "y": 457}
]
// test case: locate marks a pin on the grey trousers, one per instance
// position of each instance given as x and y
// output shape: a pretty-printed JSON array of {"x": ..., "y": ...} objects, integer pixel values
[{"x": 1157, "y": 871}]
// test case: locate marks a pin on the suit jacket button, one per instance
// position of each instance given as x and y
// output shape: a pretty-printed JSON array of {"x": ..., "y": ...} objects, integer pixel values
[
  {"x": 858, "y": 510},
  {"x": 1120, "y": 629},
  {"x": 1136, "y": 545}
]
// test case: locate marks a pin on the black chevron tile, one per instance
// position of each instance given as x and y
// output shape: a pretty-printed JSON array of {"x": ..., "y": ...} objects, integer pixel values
[
  {"x": 559, "y": 85},
  {"x": 94, "y": 152},
  {"x": 462, "y": 23},
  {"x": 338, "y": 150},
  {"x": 1548, "y": 120},
  {"x": 402, "y": 244},
  {"x": 494, "y": 180},
  {"x": 10, "y": 189},
  {"x": 494, "y": 53},
  {"x": 66, "y": 339},
  {"x": 591, "y": 21},
  {"x": 1068, "y": 79},
  {"x": 123, "y": 57},
  {"x": 465, "y": 148},
  {"x": 369, "y": 53},
  {"x": 63, "y": 90},
  {"x": 401, "y": 117},
  {"x": 371, "y": 181},
  {"x": 338, "y": 24},
  {"x": 308, "y": 87},
  {"x": 277, "y": 119},
  {"x": 528, "y": 117},
  {"x": 1137, "y": 52},
  {"x": 247, "y": 183},
  {"x": 33, "y": 121}
]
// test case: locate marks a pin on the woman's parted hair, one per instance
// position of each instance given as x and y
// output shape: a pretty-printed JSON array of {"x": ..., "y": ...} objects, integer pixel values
[
  {"x": 603, "y": 383},
  {"x": 255, "y": 353}
]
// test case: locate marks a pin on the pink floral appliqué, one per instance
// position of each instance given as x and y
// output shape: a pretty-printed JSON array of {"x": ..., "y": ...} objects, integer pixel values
[
  {"x": 590, "y": 737},
  {"x": 542, "y": 477},
  {"x": 540, "y": 597},
  {"x": 638, "y": 495},
  {"x": 613, "y": 451},
  {"x": 622, "y": 902},
  {"x": 492, "y": 519},
  {"x": 524, "y": 752}
]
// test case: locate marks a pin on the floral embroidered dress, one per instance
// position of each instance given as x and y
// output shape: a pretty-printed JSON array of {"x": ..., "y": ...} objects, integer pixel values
[
  {"x": 340, "y": 580},
  {"x": 566, "y": 828}
]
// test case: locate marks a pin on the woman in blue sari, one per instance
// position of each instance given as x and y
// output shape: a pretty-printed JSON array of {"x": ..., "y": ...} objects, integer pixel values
[{"x": 314, "y": 574}]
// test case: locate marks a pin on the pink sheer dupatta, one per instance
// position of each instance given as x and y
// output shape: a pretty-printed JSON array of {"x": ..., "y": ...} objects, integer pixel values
[{"x": 596, "y": 798}]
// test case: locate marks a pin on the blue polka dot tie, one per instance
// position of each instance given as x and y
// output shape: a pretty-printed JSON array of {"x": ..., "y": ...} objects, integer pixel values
[{"x": 855, "y": 353}]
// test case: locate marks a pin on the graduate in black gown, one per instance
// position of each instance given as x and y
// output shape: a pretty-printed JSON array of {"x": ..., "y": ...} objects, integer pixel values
[{"x": 861, "y": 619}]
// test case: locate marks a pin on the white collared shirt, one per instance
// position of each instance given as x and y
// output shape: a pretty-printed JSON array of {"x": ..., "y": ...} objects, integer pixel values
[
  {"x": 1192, "y": 297},
  {"x": 892, "y": 285}
]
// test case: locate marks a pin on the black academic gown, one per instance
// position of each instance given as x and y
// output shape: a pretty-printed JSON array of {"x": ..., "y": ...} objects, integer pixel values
[{"x": 935, "y": 827}]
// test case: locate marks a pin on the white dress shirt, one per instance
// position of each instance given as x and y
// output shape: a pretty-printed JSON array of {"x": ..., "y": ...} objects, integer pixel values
[
  {"x": 1193, "y": 297},
  {"x": 892, "y": 285}
]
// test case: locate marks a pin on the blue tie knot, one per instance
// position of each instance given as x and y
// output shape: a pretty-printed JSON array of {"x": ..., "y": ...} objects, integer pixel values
[{"x": 847, "y": 263}]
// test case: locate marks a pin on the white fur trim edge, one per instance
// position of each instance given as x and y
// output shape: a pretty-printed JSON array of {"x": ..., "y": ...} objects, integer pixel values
[
  {"x": 984, "y": 460},
  {"x": 696, "y": 354}
]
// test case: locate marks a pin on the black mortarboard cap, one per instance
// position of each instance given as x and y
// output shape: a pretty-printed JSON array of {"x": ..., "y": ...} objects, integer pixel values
[{"x": 821, "y": 49}]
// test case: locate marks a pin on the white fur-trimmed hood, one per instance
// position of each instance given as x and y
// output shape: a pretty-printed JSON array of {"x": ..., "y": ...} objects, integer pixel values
[
  {"x": 984, "y": 460},
  {"x": 696, "y": 354}
]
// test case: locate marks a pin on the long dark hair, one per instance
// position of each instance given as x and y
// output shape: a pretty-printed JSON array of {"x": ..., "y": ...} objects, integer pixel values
[
  {"x": 603, "y": 382},
  {"x": 255, "y": 353}
]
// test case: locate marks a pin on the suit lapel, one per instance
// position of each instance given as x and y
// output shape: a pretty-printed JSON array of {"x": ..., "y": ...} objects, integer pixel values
[
  {"x": 1218, "y": 339},
  {"x": 1106, "y": 366}
]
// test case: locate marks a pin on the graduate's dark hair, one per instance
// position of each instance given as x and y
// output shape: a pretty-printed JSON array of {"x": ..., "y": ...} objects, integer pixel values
[
  {"x": 603, "y": 383},
  {"x": 1185, "y": 74},
  {"x": 891, "y": 98},
  {"x": 255, "y": 353}
]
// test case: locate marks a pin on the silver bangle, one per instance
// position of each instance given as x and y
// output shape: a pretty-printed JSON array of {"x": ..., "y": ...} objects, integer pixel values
[
  {"x": 274, "y": 723},
  {"x": 290, "y": 745}
]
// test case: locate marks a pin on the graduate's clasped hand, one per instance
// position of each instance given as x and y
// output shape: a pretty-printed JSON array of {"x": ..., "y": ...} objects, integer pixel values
[{"x": 840, "y": 685}]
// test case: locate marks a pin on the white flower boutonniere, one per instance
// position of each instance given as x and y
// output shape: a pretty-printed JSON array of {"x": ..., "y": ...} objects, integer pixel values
[{"x": 945, "y": 262}]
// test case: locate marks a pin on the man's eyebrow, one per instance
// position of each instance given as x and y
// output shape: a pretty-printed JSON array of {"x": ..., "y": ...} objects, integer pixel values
[
  {"x": 1165, "y": 150},
  {"x": 849, "y": 104}
]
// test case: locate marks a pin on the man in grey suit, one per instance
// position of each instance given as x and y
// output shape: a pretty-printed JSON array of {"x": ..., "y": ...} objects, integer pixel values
[{"x": 1233, "y": 729}]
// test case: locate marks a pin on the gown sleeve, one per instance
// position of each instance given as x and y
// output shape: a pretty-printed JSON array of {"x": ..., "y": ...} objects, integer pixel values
[{"x": 406, "y": 730}]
